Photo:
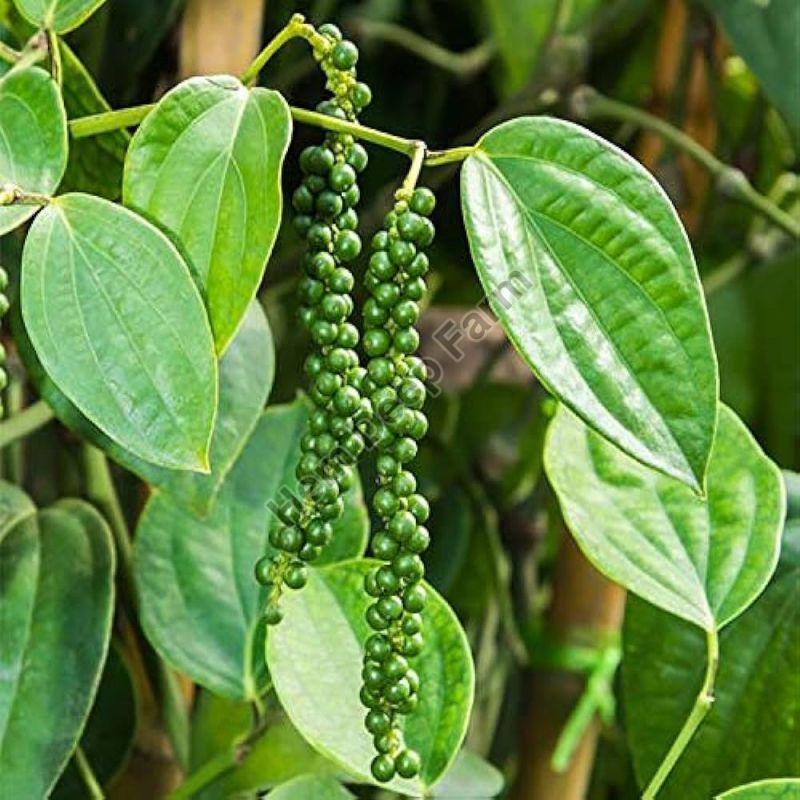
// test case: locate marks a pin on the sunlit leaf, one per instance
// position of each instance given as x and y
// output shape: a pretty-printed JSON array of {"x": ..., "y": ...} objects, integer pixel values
[
  {"x": 120, "y": 328},
  {"x": 33, "y": 139},
  {"x": 470, "y": 778},
  {"x": 59, "y": 15},
  {"x": 588, "y": 268},
  {"x": 324, "y": 624},
  {"x": 704, "y": 560},
  {"x": 319, "y": 787},
  {"x": 205, "y": 165},
  {"x": 776, "y": 789}
]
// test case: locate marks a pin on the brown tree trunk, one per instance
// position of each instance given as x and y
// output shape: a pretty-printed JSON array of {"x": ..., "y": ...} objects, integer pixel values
[{"x": 585, "y": 607}]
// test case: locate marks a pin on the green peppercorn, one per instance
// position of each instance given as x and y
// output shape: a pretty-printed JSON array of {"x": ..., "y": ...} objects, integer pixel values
[
  {"x": 408, "y": 764},
  {"x": 382, "y": 767},
  {"x": 341, "y": 177},
  {"x": 347, "y": 245},
  {"x": 296, "y": 575}
]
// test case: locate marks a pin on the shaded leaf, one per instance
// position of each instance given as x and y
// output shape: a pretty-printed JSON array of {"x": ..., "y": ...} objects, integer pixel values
[
  {"x": 324, "y": 625},
  {"x": 751, "y": 730},
  {"x": 589, "y": 270},
  {"x": 200, "y": 602},
  {"x": 120, "y": 328},
  {"x": 95, "y": 162},
  {"x": 205, "y": 165},
  {"x": 59, "y": 15},
  {"x": 765, "y": 35},
  {"x": 279, "y": 755},
  {"x": 704, "y": 560},
  {"x": 33, "y": 139},
  {"x": 108, "y": 737},
  {"x": 57, "y": 597}
]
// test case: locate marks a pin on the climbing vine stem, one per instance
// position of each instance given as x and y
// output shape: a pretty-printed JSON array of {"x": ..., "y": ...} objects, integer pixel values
[
  {"x": 702, "y": 705},
  {"x": 588, "y": 103}
]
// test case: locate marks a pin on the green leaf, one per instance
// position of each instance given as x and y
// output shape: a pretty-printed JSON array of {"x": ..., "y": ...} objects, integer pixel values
[
  {"x": 519, "y": 31},
  {"x": 33, "y": 139},
  {"x": 585, "y": 263},
  {"x": 58, "y": 15},
  {"x": 110, "y": 730},
  {"x": 205, "y": 165},
  {"x": 246, "y": 372},
  {"x": 120, "y": 328},
  {"x": 780, "y": 789},
  {"x": 751, "y": 729},
  {"x": 95, "y": 162},
  {"x": 704, "y": 560},
  {"x": 57, "y": 597},
  {"x": 200, "y": 603},
  {"x": 324, "y": 625},
  {"x": 307, "y": 786},
  {"x": 765, "y": 35},
  {"x": 470, "y": 778},
  {"x": 279, "y": 755}
]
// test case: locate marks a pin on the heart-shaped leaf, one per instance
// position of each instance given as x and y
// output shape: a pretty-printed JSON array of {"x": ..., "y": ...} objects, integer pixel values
[
  {"x": 588, "y": 268},
  {"x": 324, "y": 625},
  {"x": 95, "y": 162},
  {"x": 120, "y": 328},
  {"x": 58, "y": 15},
  {"x": 200, "y": 602},
  {"x": 246, "y": 372},
  {"x": 704, "y": 560},
  {"x": 320, "y": 787},
  {"x": 278, "y": 755},
  {"x": 57, "y": 596},
  {"x": 205, "y": 165},
  {"x": 776, "y": 789},
  {"x": 751, "y": 730},
  {"x": 110, "y": 729},
  {"x": 33, "y": 139}
]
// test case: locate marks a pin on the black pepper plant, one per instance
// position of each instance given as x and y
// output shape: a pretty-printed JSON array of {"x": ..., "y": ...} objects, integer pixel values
[{"x": 138, "y": 318}]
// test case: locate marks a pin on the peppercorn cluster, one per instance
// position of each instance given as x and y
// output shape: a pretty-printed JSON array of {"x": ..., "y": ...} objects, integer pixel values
[
  {"x": 3, "y": 311},
  {"x": 395, "y": 279},
  {"x": 325, "y": 204}
]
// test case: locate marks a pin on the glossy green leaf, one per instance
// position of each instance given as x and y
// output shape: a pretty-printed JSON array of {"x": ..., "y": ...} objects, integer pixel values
[
  {"x": 324, "y": 625},
  {"x": 519, "y": 31},
  {"x": 205, "y": 165},
  {"x": 776, "y": 789},
  {"x": 33, "y": 139},
  {"x": 319, "y": 787},
  {"x": 751, "y": 730},
  {"x": 765, "y": 35},
  {"x": 59, "y": 15},
  {"x": 585, "y": 263},
  {"x": 120, "y": 328},
  {"x": 704, "y": 560},
  {"x": 470, "y": 778},
  {"x": 110, "y": 729},
  {"x": 95, "y": 162},
  {"x": 279, "y": 755},
  {"x": 246, "y": 372},
  {"x": 200, "y": 603},
  {"x": 57, "y": 596}
]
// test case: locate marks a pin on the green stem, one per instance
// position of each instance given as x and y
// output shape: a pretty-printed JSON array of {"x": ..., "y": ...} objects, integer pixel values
[
  {"x": 128, "y": 117},
  {"x": 11, "y": 195},
  {"x": 25, "y": 423},
  {"x": 101, "y": 491},
  {"x": 55, "y": 56},
  {"x": 410, "y": 181},
  {"x": 702, "y": 705},
  {"x": 8, "y": 54},
  {"x": 88, "y": 776},
  {"x": 463, "y": 64},
  {"x": 588, "y": 103},
  {"x": 95, "y": 124},
  {"x": 297, "y": 27}
]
